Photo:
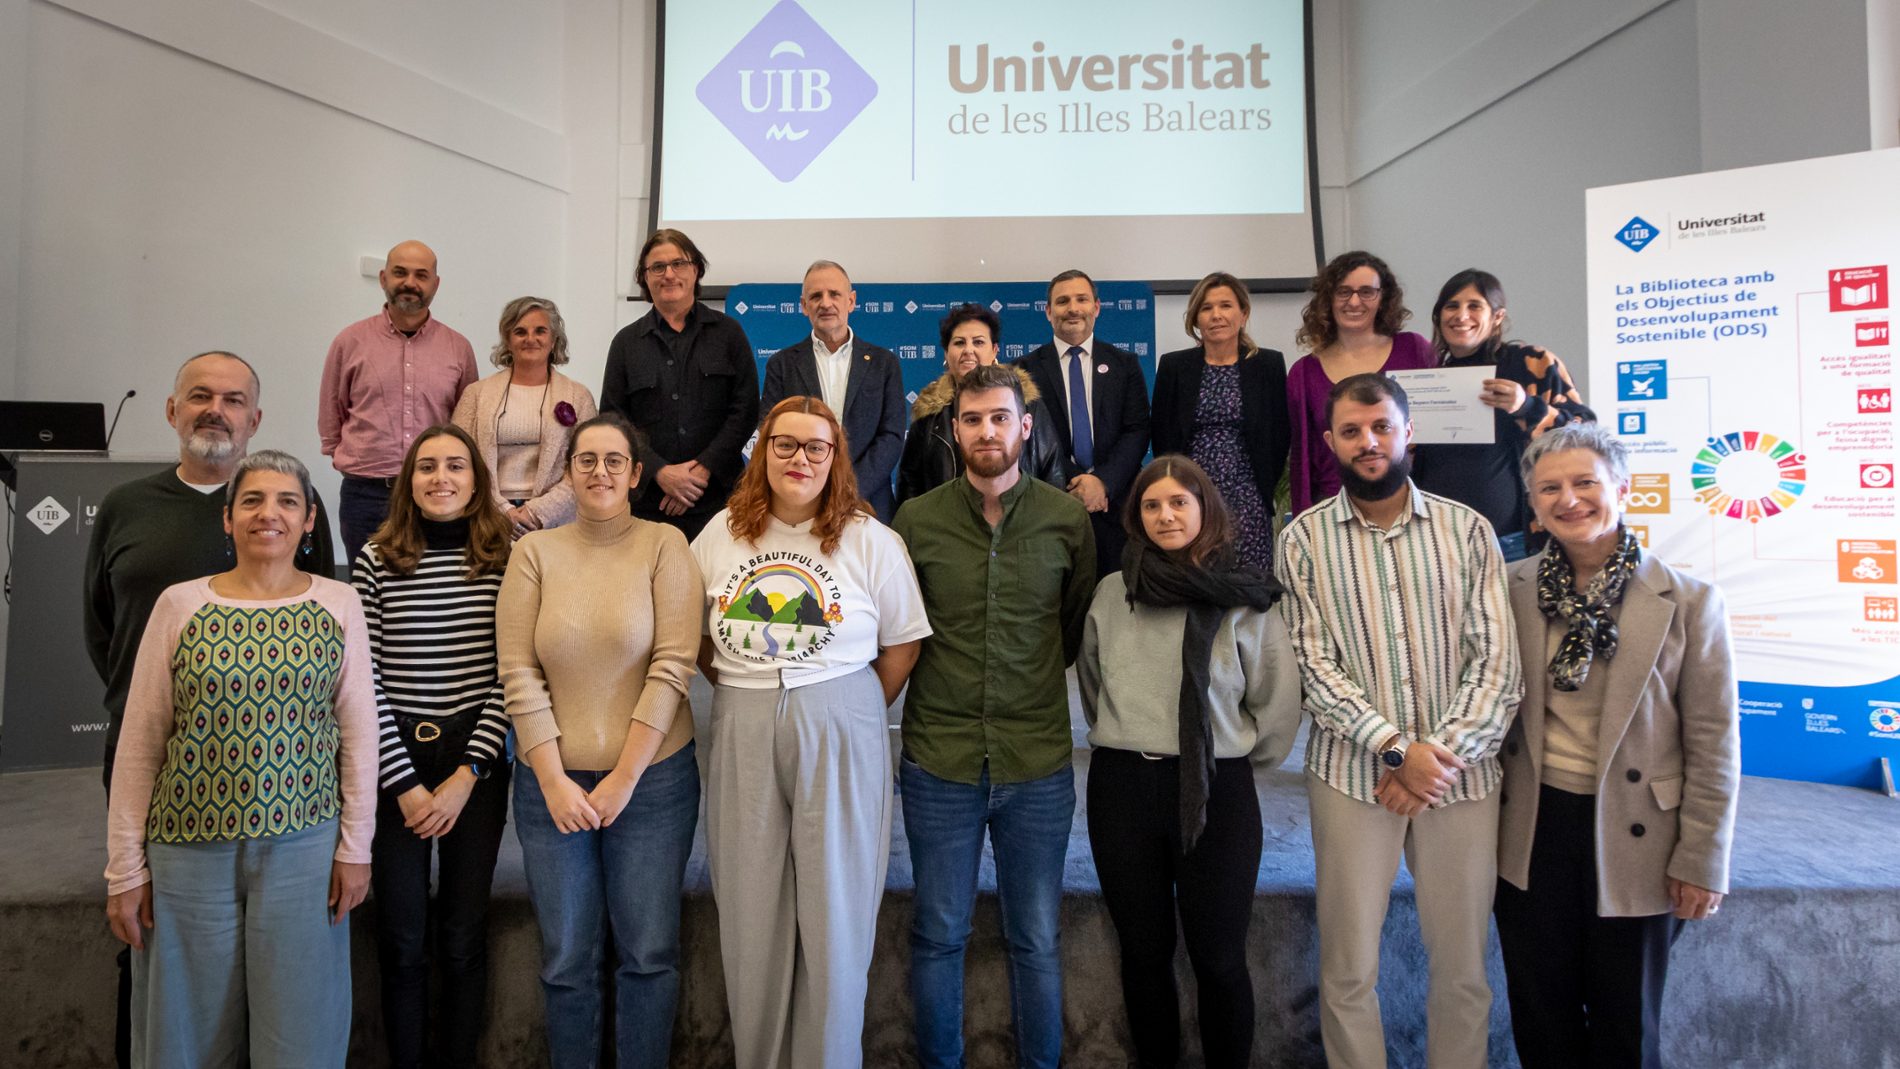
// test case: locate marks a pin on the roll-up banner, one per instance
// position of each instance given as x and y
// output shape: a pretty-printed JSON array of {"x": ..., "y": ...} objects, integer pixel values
[{"x": 1741, "y": 344}]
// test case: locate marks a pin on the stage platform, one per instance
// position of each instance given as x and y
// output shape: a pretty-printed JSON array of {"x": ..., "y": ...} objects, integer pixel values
[{"x": 1801, "y": 969}]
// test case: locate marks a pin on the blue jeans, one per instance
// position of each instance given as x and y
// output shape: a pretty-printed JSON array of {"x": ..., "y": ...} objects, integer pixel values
[
  {"x": 1029, "y": 834},
  {"x": 624, "y": 879},
  {"x": 242, "y": 959}
]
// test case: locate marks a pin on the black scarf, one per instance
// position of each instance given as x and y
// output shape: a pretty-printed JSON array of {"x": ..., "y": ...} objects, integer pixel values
[
  {"x": 1590, "y": 614},
  {"x": 1160, "y": 580}
]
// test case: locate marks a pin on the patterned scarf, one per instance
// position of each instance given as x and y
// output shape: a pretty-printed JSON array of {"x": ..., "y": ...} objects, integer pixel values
[{"x": 1590, "y": 615}]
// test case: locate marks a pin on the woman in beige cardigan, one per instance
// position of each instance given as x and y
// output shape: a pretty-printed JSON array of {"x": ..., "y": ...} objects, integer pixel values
[
  {"x": 520, "y": 416},
  {"x": 1620, "y": 772}
]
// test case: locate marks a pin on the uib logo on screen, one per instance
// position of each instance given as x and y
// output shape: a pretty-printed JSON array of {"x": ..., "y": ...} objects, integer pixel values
[{"x": 786, "y": 90}]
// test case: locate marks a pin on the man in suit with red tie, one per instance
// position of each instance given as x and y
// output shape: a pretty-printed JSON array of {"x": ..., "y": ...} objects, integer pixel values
[
  {"x": 860, "y": 382},
  {"x": 1098, "y": 404}
]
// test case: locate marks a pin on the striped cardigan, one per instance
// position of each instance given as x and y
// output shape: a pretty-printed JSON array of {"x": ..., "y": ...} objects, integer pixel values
[{"x": 432, "y": 639}]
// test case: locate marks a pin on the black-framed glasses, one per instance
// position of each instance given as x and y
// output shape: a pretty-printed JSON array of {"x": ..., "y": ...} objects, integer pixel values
[
  {"x": 615, "y": 463},
  {"x": 1366, "y": 294},
  {"x": 784, "y": 445},
  {"x": 655, "y": 270}
]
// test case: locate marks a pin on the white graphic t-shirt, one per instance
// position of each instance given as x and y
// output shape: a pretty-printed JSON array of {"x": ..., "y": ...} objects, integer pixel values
[{"x": 783, "y": 613}]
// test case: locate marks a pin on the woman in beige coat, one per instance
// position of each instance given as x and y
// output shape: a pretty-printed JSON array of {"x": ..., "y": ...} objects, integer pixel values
[
  {"x": 1620, "y": 773},
  {"x": 520, "y": 416}
]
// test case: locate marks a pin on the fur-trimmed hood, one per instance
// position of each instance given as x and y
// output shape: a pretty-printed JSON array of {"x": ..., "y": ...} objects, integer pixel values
[{"x": 937, "y": 396}]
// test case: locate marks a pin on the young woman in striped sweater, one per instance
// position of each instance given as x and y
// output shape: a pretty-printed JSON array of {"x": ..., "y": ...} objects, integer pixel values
[{"x": 428, "y": 578}]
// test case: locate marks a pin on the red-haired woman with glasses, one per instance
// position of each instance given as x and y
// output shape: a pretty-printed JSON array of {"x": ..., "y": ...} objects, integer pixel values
[{"x": 813, "y": 623}]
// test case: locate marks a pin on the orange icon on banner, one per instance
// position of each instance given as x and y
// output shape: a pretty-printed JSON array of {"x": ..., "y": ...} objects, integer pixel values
[
  {"x": 1648, "y": 493},
  {"x": 1881, "y": 610},
  {"x": 1865, "y": 560},
  {"x": 1641, "y": 531}
]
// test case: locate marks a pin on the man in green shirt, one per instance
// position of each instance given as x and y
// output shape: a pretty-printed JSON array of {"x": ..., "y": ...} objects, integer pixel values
[{"x": 1007, "y": 567}]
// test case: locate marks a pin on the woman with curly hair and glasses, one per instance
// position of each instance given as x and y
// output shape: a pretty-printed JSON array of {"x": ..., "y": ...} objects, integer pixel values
[
  {"x": 1349, "y": 327},
  {"x": 813, "y": 622}
]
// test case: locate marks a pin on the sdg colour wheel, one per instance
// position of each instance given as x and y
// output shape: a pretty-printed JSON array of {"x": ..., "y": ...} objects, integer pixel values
[{"x": 1791, "y": 475}]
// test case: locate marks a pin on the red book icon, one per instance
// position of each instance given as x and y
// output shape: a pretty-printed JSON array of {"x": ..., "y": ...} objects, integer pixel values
[
  {"x": 1871, "y": 332},
  {"x": 1855, "y": 289}
]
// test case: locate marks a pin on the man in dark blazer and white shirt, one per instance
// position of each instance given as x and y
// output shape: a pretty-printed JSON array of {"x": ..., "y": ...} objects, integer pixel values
[
  {"x": 1103, "y": 455},
  {"x": 861, "y": 382}
]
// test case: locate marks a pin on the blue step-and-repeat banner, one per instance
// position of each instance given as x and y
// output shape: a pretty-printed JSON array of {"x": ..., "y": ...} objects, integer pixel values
[{"x": 903, "y": 318}]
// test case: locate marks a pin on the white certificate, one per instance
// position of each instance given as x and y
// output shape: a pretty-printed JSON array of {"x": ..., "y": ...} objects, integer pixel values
[{"x": 1445, "y": 405}]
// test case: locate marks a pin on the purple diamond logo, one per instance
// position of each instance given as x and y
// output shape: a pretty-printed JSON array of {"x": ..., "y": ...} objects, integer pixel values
[{"x": 786, "y": 90}]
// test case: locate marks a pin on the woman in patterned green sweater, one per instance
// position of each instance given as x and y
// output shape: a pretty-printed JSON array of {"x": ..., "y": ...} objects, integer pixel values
[{"x": 244, "y": 798}]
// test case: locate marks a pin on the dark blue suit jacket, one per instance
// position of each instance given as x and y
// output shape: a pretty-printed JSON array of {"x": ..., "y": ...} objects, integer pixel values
[
  {"x": 875, "y": 413},
  {"x": 1118, "y": 419}
]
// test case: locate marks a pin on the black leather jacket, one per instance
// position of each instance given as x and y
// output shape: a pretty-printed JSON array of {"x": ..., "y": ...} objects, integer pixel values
[{"x": 930, "y": 448}]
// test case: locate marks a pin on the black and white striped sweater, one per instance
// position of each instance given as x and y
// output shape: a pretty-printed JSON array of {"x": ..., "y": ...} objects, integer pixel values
[{"x": 432, "y": 634}]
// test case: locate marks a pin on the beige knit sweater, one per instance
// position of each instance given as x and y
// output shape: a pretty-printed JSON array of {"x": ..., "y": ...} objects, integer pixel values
[{"x": 598, "y": 625}]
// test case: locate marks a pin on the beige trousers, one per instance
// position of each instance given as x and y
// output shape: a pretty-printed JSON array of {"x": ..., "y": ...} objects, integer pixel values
[
  {"x": 798, "y": 833},
  {"x": 1452, "y": 855}
]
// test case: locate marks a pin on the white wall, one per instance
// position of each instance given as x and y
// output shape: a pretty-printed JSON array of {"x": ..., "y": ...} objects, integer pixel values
[
  {"x": 183, "y": 176},
  {"x": 1883, "y": 73},
  {"x": 1474, "y": 126}
]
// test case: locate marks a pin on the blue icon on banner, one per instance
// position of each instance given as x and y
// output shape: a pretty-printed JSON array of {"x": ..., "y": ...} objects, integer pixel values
[
  {"x": 1637, "y": 233},
  {"x": 1642, "y": 380},
  {"x": 1632, "y": 423}
]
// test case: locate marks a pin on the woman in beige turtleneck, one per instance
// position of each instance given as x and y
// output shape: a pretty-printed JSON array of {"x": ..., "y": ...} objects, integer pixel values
[{"x": 596, "y": 630}]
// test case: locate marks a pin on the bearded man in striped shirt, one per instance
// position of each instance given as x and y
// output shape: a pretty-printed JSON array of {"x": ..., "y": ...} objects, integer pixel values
[{"x": 1409, "y": 666}]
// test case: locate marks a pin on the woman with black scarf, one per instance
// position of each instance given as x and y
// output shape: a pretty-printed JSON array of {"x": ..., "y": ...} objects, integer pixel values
[{"x": 1188, "y": 681}]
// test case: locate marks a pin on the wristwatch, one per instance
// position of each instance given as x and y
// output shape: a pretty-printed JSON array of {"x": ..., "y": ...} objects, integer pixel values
[{"x": 1394, "y": 753}]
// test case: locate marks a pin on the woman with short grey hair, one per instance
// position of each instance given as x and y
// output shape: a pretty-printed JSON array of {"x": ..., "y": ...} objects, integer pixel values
[
  {"x": 244, "y": 797},
  {"x": 520, "y": 416},
  {"x": 1620, "y": 772}
]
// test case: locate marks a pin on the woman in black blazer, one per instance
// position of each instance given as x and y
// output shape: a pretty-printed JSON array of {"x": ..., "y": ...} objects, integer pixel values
[{"x": 1223, "y": 403}]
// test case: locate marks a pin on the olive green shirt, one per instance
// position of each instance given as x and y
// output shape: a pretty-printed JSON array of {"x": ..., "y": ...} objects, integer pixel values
[{"x": 1006, "y": 607}]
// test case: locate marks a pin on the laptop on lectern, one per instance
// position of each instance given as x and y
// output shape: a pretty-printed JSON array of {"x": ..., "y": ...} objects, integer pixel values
[
  {"x": 62, "y": 426},
  {"x": 49, "y": 427}
]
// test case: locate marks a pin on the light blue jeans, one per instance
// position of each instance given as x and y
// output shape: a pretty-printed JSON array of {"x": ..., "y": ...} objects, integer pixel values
[
  {"x": 625, "y": 880},
  {"x": 241, "y": 956},
  {"x": 1028, "y": 824}
]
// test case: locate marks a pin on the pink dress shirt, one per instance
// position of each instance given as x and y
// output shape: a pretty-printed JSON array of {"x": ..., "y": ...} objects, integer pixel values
[{"x": 381, "y": 389}]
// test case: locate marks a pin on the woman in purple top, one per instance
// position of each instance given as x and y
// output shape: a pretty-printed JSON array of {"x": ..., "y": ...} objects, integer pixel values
[{"x": 1351, "y": 326}]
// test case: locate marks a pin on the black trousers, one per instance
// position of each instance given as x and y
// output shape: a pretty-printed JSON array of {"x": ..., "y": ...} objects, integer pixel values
[
  {"x": 122, "y": 1018},
  {"x": 399, "y": 878},
  {"x": 1585, "y": 990},
  {"x": 362, "y": 506},
  {"x": 1135, "y": 834}
]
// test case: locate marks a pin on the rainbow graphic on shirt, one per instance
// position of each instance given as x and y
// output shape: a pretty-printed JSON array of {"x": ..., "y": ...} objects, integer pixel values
[{"x": 778, "y": 607}]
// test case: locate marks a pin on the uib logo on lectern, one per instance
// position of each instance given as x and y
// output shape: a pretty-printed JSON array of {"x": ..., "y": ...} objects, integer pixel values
[{"x": 786, "y": 90}]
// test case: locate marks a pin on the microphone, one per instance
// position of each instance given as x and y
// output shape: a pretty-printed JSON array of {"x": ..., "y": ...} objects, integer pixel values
[{"x": 129, "y": 394}]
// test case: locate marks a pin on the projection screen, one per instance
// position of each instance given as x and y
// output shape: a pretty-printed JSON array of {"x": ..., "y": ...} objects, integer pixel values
[{"x": 989, "y": 139}]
